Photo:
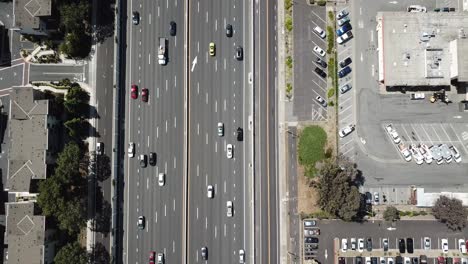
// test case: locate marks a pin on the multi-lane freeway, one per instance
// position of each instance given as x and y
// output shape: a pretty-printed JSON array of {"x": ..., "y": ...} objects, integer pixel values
[{"x": 188, "y": 97}]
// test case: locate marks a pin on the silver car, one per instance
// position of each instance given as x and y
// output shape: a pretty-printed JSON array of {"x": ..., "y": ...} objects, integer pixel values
[
  {"x": 229, "y": 209},
  {"x": 229, "y": 151},
  {"x": 220, "y": 129}
]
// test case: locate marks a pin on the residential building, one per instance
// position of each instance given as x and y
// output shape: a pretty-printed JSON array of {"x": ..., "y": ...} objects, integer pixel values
[{"x": 30, "y": 16}]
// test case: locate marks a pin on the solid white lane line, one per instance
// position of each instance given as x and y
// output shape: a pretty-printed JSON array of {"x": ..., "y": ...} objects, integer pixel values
[
  {"x": 216, "y": 65},
  {"x": 147, "y": 183},
  {"x": 206, "y": 138},
  {"x": 175, "y": 162},
  {"x": 148, "y": 142},
  {"x": 166, "y": 85},
  {"x": 216, "y": 106},
  {"x": 198, "y": 170},
  {"x": 206, "y": 96},
  {"x": 197, "y": 212},
  {"x": 174, "y": 205},
  {"x": 216, "y": 24},
  {"x": 157, "y": 92},
  {"x": 198, "y": 128},
  {"x": 216, "y": 146},
  {"x": 215, "y": 231},
  {"x": 206, "y": 224},
  {"x": 224, "y": 230},
  {"x": 166, "y": 126},
  {"x": 225, "y": 186},
  {"x": 165, "y": 211},
  {"x": 158, "y": 11},
  {"x": 167, "y": 3},
  {"x": 198, "y": 47},
  {"x": 224, "y": 63},
  {"x": 198, "y": 88},
  {"x": 175, "y": 121},
  {"x": 206, "y": 179},
  {"x": 175, "y": 81},
  {"x": 149, "y": 18},
  {"x": 206, "y": 16},
  {"x": 198, "y": 7},
  {"x": 156, "y": 216},
  {"x": 157, "y": 132},
  {"x": 225, "y": 105},
  {"x": 173, "y": 246}
]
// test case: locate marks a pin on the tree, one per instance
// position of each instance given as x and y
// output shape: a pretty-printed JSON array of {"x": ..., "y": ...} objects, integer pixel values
[
  {"x": 451, "y": 212},
  {"x": 77, "y": 127},
  {"x": 100, "y": 255},
  {"x": 76, "y": 101},
  {"x": 103, "y": 167},
  {"x": 391, "y": 214},
  {"x": 74, "y": 15},
  {"x": 71, "y": 253},
  {"x": 338, "y": 194},
  {"x": 76, "y": 45}
]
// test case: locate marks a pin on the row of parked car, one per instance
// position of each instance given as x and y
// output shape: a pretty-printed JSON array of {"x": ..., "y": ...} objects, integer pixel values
[
  {"x": 311, "y": 241},
  {"x": 422, "y": 153}
]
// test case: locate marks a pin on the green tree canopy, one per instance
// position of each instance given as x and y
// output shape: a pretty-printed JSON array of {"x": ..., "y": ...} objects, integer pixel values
[
  {"x": 451, "y": 212},
  {"x": 76, "y": 101},
  {"x": 71, "y": 253},
  {"x": 73, "y": 16},
  {"x": 391, "y": 214},
  {"x": 77, "y": 127}
]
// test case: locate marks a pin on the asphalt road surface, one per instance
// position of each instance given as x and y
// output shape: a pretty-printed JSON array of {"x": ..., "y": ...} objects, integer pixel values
[
  {"x": 155, "y": 126},
  {"x": 216, "y": 94}
]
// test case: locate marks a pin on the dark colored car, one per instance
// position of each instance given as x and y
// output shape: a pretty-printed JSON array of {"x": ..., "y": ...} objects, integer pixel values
[
  {"x": 345, "y": 28},
  {"x": 423, "y": 259},
  {"x": 143, "y": 161},
  {"x": 320, "y": 72},
  {"x": 373, "y": 260},
  {"x": 415, "y": 260},
  {"x": 136, "y": 18},
  {"x": 399, "y": 260},
  {"x": 368, "y": 198},
  {"x": 345, "y": 71},
  {"x": 134, "y": 91},
  {"x": 152, "y": 159},
  {"x": 401, "y": 245},
  {"x": 448, "y": 261},
  {"x": 341, "y": 260},
  {"x": 369, "y": 244},
  {"x": 409, "y": 245},
  {"x": 240, "y": 134},
  {"x": 228, "y": 30},
  {"x": 311, "y": 240},
  {"x": 345, "y": 62},
  {"x": 144, "y": 95},
  {"x": 358, "y": 260},
  {"x": 172, "y": 28},
  {"x": 239, "y": 53},
  {"x": 204, "y": 253},
  {"x": 320, "y": 62}
]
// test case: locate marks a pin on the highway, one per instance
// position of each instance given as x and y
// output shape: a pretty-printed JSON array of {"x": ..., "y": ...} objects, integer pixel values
[
  {"x": 158, "y": 126},
  {"x": 217, "y": 94},
  {"x": 266, "y": 213}
]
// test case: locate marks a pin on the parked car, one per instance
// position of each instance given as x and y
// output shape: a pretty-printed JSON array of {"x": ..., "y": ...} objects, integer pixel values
[
  {"x": 444, "y": 243},
  {"x": 404, "y": 152},
  {"x": 309, "y": 223},
  {"x": 319, "y": 31},
  {"x": 393, "y": 134},
  {"x": 369, "y": 244},
  {"x": 346, "y": 130},
  {"x": 320, "y": 72},
  {"x": 345, "y": 37},
  {"x": 427, "y": 243},
  {"x": 409, "y": 245},
  {"x": 416, "y": 9},
  {"x": 345, "y": 62},
  {"x": 353, "y": 243},
  {"x": 344, "y": 245},
  {"x": 345, "y": 88},
  {"x": 360, "y": 244},
  {"x": 320, "y": 62},
  {"x": 385, "y": 244},
  {"x": 321, "y": 101},
  {"x": 456, "y": 154},
  {"x": 342, "y": 14},
  {"x": 462, "y": 246},
  {"x": 345, "y": 71},
  {"x": 319, "y": 51},
  {"x": 343, "y": 21},
  {"x": 401, "y": 245},
  {"x": 343, "y": 29}
]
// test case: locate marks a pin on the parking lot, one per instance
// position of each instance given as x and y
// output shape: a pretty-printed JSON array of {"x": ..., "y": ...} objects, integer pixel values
[
  {"x": 333, "y": 231},
  {"x": 307, "y": 83}
]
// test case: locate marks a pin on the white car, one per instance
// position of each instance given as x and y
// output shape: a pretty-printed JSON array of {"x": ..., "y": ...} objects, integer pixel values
[
  {"x": 161, "y": 179},
  {"x": 160, "y": 258},
  {"x": 345, "y": 88},
  {"x": 444, "y": 243},
  {"x": 100, "y": 148},
  {"x": 210, "y": 191},
  {"x": 229, "y": 208},
  {"x": 320, "y": 32},
  {"x": 131, "y": 149},
  {"x": 344, "y": 245},
  {"x": 343, "y": 21},
  {"x": 427, "y": 243},
  {"x": 456, "y": 155},
  {"x": 241, "y": 256},
  {"x": 407, "y": 260},
  {"x": 368, "y": 260},
  {"x": 424, "y": 150},
  {"x": 353, "y": 243},
  {"x": 220, "y": 129},
  {"x": 345, "y": 37},
  {"x": 404, "y": 152},
  {"x": 229, "y": 151},
  {"x": 342, "y": 14},
  {"x": 393, "y": 134},
  {"x": 416, "y": 154},
  {"x": 321, "y": 101},
  {"x": 346, "y": 130},
  {"x": 390, "y": 261},
  {"x": 462, "y": 246},
  {"x": 416, "y": 9},
  {"x": 361, "y": 244},
  {"x": 382, "y": 260},
  {"x": 319, "y": 51}
]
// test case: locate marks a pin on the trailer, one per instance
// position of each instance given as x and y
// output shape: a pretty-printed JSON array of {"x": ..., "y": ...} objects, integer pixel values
[{"x": 162, "y": 51}]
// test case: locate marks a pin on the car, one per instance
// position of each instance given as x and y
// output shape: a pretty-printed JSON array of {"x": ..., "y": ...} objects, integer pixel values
[
  {"x": 368, "y": 198},
  {"x": 341, "y": 260},
  {"x": 131, "y": 150},
  {"x": 456, "y": 154},
  {"x": 393, "y": 134},
  {"x": 343, "y": 29},
  {"x": 368, "y": 260},
  {"x": 462, "y": 246},
  {"x": 342, "y": 14},
  {"x": 353, "y": 243},
  {"x": 343, "y": 21},
  {"x": 144, "y": 95},
  {"x": 401, "y": 245},
  {"x": 320, "y": 62},
  {"x": 346, "y": 130},
  {"x": 220, "y": 129},
  {"x": 229, "y": 208},
  {"x": 407, "y": 260},
  {"x": 444, "y": 243},
  {"x": 360, "y": 244},
  {"x": 448, "y": 260},
  {"x": 345, "y": 88},
  {"x": 382, "y": 260},
  {"x": 415, "y": 260},
  {"x": 344, "y": 38},
  {"x": 369, "y": 244},
  {"x": 319, "y": 31},
  {"x": 319, "y": 51},
  {"x": 152, "y": 256},
  {"x": 404, "y": 152},
  {"x": 440, "y": 260},
  {"x": 228, "y": 30},
  {"x": 212, "y": 49},
  {"x": 240, "y": 134},
  {"x": 310, "y": 240},
  {"x": 134, "y": 91},
  {"x": 399, "y": 260},
  {"x": 344, "y": 245},
  {"x": 373, "y": 260},
  {"x": 321, "y": 101},
  {"x": 309, "y": 223},
  {"x": 143, "y": 161},
  {"x": 152, "y": 158},
  {"x": 311, "y": 232},
  {"x": 423, "y": 259},
  {"x": 320, "y": 72},
  {"x": 136, "y": 18},
  {"x": 100, "y": 148},
  {"x": 424, "y": 150},
  {"x": 210, "y": 191},
  {"x": 229, "y": 151},
  {"x": 239, "y": 53},
  {"x": 416, "y": 9},
  {"x": 204, "y": 253},
  {"x": 241, "y": 256},
  {"x": 160, "y": 258},
  {"x": 161, "y": 179},
  {"x": 464, "y": 261},
  {"x": 416, "y": 154},
  {"x": 172, "y": 28},
  {"x": 390, "y": 261},
  {"x": 358, "y": 260},
  {"x": 345, "y": 62},
  {"x": 427, "y": 243},
  {"x": 385, "y": 244},
  {"x": 141, "y": 222},
  {"x": 409, "y": 245},
  {"x": 345, "y": 71}
]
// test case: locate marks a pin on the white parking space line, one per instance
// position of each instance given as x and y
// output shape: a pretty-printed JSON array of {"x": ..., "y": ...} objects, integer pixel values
[
  {"x": 347, "y": 108},
  {"x": 318, "y": 17},
  {"x": 407, "y": 135},
  {"x": 435, "y": 132},
  {"x": 461, "y": 142},
  {"x": 425, "y": 132},
  {"x": 343, "y": 51},
  {"x": 443, "y": 129},
  {"x": 415, "y": 133},
  {"x": 318, "y": 86}
]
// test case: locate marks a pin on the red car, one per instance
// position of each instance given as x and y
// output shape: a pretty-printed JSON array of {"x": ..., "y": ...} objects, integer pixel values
[
  {"x": 440, "y": 260},
  {"x": 144, "y": 95},
  {"x": 134, "y": 91},
  {"x": 152, "y": 257}
]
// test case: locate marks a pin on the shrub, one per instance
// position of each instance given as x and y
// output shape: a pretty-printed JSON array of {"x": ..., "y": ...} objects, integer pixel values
[
  {"x": 321, "y": 2},
  {"x": 288, "y": 23},
  {"x": 330, "y": 39},
  {"x": 331, "y": 92},
  {"x": 288, "y": 88},
  {"x": 289, "y": 62},
  {"x": 331, "y": 103},
  {"x": 391, "y": 214},
  {"x": 288, "y": 4}
]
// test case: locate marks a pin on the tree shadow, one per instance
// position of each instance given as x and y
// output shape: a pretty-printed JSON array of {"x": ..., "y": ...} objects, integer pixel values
[
  {"x": 99, "y": 254},
  {"x": 103, "y": 214},
  {"x": 103, "y": 171},
  {"x": 104, "y": 27}
]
